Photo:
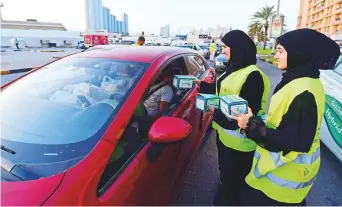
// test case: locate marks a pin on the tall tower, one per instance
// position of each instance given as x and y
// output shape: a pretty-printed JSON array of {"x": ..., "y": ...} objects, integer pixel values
[
  {"x": 124, "y": 18},
  {"x": 94, "y": 15}
]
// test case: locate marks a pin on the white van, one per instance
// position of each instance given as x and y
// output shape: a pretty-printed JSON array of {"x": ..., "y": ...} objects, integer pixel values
[{"x": 331, "y": 130}]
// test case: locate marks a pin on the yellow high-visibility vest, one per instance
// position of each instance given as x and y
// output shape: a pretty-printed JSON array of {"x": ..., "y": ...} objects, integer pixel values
[
  {"x": 288, "y": 178},
  {"x": 232, "y": 85},
  {"x": 213, "y": 47}
]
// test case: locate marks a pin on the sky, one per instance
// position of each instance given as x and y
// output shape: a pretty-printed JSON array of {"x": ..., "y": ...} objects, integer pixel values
[{"x": 150, "y": 15}]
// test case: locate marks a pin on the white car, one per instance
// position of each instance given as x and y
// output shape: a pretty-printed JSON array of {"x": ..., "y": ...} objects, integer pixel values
[
  {"x": 105, "y": 47},
  {"x": 204, "y": 53},
  {"x": 331, "y": 130}
]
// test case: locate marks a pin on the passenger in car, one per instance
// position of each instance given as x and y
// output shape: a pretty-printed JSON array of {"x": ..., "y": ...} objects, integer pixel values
[{"x": 159, "y": 100}]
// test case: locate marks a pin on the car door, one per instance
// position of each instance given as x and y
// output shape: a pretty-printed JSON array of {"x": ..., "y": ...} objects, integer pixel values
[
  {"x": 162, "y": 163},
  {"x": 144, "y": 177},
  {"x": 199, "y": 120},
  {"x": 331, "y": 130}
]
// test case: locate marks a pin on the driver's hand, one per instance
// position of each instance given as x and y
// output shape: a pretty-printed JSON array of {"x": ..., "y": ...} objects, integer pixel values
[{"x": 197, "y": 82}]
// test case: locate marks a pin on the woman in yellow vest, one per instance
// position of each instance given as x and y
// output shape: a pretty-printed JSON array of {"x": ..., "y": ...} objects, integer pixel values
[
  {"x": 287, "y": 158},
  {"x": 243, "y": 78},
  {"x": 141, "y": 41},
  {"x": 212, "y": 50}
]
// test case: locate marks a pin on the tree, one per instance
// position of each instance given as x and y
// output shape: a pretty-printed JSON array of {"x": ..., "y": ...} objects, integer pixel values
[
  {"x": 254, "y": 30},
  {"x": 260, "y": 21}
]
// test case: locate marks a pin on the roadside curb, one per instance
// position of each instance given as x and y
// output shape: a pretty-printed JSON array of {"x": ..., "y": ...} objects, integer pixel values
[
  {"x": 21, "y": 70},
  {"x": 275, "y": 63}
]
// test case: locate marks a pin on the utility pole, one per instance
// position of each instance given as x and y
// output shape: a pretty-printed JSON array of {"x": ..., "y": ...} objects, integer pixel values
[
  {"x": 1, "y": 5},
  {"x": 274, "y": 39}
]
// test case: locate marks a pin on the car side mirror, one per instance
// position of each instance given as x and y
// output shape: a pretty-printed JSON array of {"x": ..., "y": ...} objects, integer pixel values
[{"x": 168, "y": 130}]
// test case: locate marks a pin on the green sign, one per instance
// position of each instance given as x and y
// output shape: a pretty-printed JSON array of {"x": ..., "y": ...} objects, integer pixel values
[{"x": 333, "y": 118}]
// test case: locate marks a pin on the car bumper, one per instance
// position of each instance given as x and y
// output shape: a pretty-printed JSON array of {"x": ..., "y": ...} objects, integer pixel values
[{"x": 219, "y": 66}]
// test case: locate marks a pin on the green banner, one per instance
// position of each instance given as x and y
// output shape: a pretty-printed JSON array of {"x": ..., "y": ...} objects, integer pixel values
[{"x": 333, "y": 118}]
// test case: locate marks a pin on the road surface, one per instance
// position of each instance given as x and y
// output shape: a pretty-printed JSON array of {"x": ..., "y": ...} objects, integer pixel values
[
  {"x": 201, "y": 182},
  {"x": 29, "y": 59}
]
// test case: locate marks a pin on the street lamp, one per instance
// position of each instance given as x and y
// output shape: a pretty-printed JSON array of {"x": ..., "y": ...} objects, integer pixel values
[
  {"x": 278, "y": 17},
  {"x": 1, "y": 5}
]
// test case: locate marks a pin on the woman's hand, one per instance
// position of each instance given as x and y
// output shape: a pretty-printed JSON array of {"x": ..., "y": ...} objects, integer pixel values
[{"x": 242, "y": 119}]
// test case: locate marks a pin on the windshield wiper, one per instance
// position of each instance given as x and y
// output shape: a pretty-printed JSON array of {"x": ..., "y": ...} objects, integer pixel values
[{"x": 7, "y": 150}]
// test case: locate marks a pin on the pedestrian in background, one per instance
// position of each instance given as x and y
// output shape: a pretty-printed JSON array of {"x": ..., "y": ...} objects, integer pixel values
[
  {"x": 212, "y": 50},
  {"x": 141, "y": 41},
  {"x": 243, "y": 78},
  {"x": 287, "y": 158},
  {"x": 17, "y": 43}
]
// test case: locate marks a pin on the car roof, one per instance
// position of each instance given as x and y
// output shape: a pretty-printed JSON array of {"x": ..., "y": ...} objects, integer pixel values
[
  {"x": 138, "y": 54},
  {"x": 111, "y": 46}
]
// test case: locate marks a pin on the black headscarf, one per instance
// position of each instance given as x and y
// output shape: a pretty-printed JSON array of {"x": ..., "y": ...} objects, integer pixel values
[
  {"x": 242, "y": 52},
  {"x": 308, "y": 51}
]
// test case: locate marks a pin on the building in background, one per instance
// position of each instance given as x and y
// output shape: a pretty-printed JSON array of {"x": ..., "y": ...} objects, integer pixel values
[
  {"x": 212, "y": 32},
  {"x": 31, "y": 24},
  {"x": 324, "y": 16},
  {"x": 94, "y": 15},
  {"x": 124, "y": 18},
  {"x": 99, "y": 18},
  {"x": 165, "y": 31},
  {"x": 106, "y": 18}
]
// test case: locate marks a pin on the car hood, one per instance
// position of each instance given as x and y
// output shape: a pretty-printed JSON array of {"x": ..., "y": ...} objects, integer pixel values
[{"x": 29, "y": 193}]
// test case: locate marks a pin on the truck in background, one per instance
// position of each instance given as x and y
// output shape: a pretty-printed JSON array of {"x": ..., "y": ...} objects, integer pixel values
[{"x": 91, "y": 40}]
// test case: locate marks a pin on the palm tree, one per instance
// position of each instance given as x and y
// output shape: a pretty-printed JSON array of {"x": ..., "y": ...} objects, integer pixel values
[
  {"x": 254, "y": 30},
  {"x": 260, "y": 20}
]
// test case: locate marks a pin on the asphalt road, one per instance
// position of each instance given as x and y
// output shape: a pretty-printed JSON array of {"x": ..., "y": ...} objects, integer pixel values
[
  {"x": 202, "y": 180},
  {"x": 27, "y": 59}
]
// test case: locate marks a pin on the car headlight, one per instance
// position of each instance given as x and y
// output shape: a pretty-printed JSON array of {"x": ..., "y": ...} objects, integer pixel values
[{"x": 218, "y": 63}]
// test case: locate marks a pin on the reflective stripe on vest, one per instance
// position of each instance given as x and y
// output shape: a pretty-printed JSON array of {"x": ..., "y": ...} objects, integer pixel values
[
  {"x": 301, "y": 159},
  {"x": 232, "y": 85},
  {"x": 234, "y": 133},
  {"x": 288, "y": 178}
]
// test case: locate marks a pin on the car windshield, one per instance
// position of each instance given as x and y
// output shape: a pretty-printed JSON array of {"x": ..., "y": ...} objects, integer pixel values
[
  {"x": 64, "y": 108},
  {"x": 203, "y": 47}
]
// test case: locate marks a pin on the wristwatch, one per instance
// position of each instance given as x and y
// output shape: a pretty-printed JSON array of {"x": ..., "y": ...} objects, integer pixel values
[{"x": 242, "y": 131}]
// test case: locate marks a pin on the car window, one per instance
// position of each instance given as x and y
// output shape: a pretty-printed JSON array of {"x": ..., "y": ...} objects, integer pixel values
[
  {"x": 130, "y": 143},
  {"x": 196, "y": 65},
  {"x": 185, "y": 46},
  {"x": 68, "y": 105},
  {"x": 338, "y": 69}
]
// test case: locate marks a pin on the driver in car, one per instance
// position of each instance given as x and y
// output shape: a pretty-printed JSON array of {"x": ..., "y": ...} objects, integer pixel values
[{"x": 159, "y": 100}]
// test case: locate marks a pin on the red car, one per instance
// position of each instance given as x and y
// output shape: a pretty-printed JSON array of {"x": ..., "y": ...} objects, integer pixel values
[{"x": 75, "y": 132}]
